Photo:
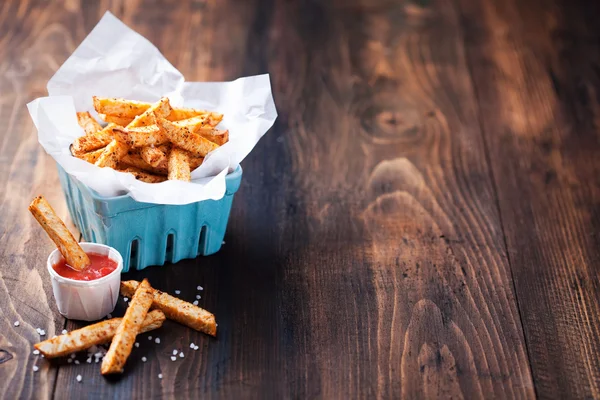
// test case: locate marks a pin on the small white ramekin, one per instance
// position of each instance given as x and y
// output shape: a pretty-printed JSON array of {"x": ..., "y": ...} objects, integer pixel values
[{"x": 86, "y": 300}]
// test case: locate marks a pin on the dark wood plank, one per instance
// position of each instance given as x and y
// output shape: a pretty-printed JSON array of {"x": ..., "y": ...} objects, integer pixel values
[
  {"x": 536, "y": 68},
  {"x": 31, "y": 48},
  {"x": 364, "y": 255}
]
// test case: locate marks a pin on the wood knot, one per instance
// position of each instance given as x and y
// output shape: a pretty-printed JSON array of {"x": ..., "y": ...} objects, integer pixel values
[{"x": 5, "y": 356}]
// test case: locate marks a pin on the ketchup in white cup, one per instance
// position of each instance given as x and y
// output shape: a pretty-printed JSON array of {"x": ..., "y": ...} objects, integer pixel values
[{"x": 91, "y": 294}]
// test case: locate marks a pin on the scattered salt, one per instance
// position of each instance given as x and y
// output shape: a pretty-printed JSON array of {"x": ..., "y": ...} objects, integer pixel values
[
  {"x": 144, "y": 359},
  {"x": 69, "y": 360},
  {"x": 175, "y": 352},
  {"x": 181, "y": 355},
  {"x": 17, "y": 323},
  {"x": 64, "y": 332},
  {"x": 173, "y": 358},
  {"x": 191, "y": 345},
  {"x": 177, "y": 291},
  {"x": 149, "y": 337},
  {"x": 79, "y": 378},
  {"x": 198, "y": 296},
  {"x": 159, "y": 376},
  {"x": 137, "y": 344},
  {"x": 196, "y": 347},
  {"x": 42, "y": 332},
  {"x": 200, "y": 288},
  {"x": 73, "y": 355},
  {"x": 76, "y": 362},
  {"x": 36, "y": 352},
  {"x": 195, "y": 302},
  {"x": 35, "y": 368},
  {"x": 125, "y": 299}
]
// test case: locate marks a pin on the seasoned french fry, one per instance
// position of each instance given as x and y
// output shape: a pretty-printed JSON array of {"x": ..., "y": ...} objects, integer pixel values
[
  {"x": 92, "y": 141},
  {"x": 141, "y": 136},
  {"x": 178, "y": 114},
  {"x": 119, "y": 107},
  {"x": 130, "y": 326},
  {"x": 121, "y": 121},
  {"x": 195, "y": 161},
  {"x": 214, "y": 135},
  {"x": 91, "y": 156},
  {"x": 160, "y": 109},
  {"x": 186, "y": 139},
  {"x": 179, "y": 165},
  {"x": 143, "y": 175},
  {"x": 91, "y": 335},
  {"x": 176, "y": 309},
  {"x": 156, "y": 156},
  {"x": 88, "y": 123},
  {"x": 133, "y": 159},
  {"x": 58, "y": 232},
  {"x": 112, "y": 154}
]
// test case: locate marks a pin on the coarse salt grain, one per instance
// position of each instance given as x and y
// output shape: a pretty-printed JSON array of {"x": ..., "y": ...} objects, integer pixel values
[
  {"x": 195, "y": 302},
  {"x": 137, "y": 344},
  {"x": 181, "y": 355},
  {"x": 76, "y": 362},
  {"x": 69, "y": 360},
  {"x": 196, "y": 347},
  {"x": 157, "y": 340},
  {"x": 177, "y": 291},
  {"x": 192, "y": 345},
  {"x": 149, "y": 337},
  {"x": 35, "y": 368},
  {"x": 175, "y": 352},
  {"x": 200, "y": 288},
  {"x": 53, "y": 336},
  {"x": 125, "y": 299},
  {"x": 73, "y": 355},
  {"x": 36, "y": 352},
  {"x": 198, "y": 296},
  {"x": 64, "y": 332},
  {"x": 17, "y": 323},
  {"x": 42, "y": 332},
  {"x": 89, "y": 360},
  {"x": 159, "y": 376},
  {"x": 144, "y": 359},
  {"x": 173, "y": 358},
  {"x": 79, "y": 378}
]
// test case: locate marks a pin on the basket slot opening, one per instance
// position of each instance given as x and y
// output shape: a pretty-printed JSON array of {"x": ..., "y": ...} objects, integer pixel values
[
  {"x": 134, "y": 254},
  {"x": 170, "y": 247},
  {"x": 202, "y": 240}
]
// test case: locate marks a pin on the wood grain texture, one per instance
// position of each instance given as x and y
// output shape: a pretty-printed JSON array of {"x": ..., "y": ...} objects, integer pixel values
[
  {"x": 535, "y": 68},
  {"x": 366, "y": 250}
]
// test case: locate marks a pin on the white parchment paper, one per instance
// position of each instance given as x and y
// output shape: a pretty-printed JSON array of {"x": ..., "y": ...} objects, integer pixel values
[{"x": 115, "y": 61}]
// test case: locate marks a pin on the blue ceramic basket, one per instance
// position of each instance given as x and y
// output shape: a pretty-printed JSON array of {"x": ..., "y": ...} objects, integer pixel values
[{"x": 149, "y": 234}]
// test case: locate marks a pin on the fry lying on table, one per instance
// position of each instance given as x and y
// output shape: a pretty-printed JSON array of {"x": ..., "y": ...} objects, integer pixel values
[{"x": 154, "y": 142}]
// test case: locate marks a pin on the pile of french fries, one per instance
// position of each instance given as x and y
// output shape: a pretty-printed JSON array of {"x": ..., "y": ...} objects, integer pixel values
[
  {"x": 119, "y": 332},
  {"x": 154, "y": 142}
]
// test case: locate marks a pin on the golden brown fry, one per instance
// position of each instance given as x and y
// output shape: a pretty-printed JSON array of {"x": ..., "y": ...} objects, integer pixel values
[
  {"x": 133, "y": 159},
  {"x": 119, "y": 107},
  {"x": 176, "y": 309},
  {"x": 156, "y": 156},
  {"x": 160, "y": 109},
  {"x": 179, "y": 165},
  {"x": 195, "y": 161},
  {"x": 121, "y": 121},
  {"x": 58, "y": 232},
  {"x": 178, "y": 114},
  {"x": 112, "y": 154},
  {"x": 93, "y": 141},
  {"x": 214, "y": 135},
  {"x": 92, "y": 335},
  {"x": 141, "y": 136},
  {"x": 88, "y": 123},
  {"x": 130, "y": 326},
  {"x": 91, "y": 156},
  {"x": 142, "y": 175},
  {"x": 186, "y": 139}
]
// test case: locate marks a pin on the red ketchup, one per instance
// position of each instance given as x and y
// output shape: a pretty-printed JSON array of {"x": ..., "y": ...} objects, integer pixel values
[{"x": 100, "y": 266}]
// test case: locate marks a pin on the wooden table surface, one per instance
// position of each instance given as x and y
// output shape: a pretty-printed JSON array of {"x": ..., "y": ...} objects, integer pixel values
[{"x": 423, "y": 221}]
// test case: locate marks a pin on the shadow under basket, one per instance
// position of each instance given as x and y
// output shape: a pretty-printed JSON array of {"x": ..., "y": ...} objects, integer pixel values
[{"x": 149, "y": 234}]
